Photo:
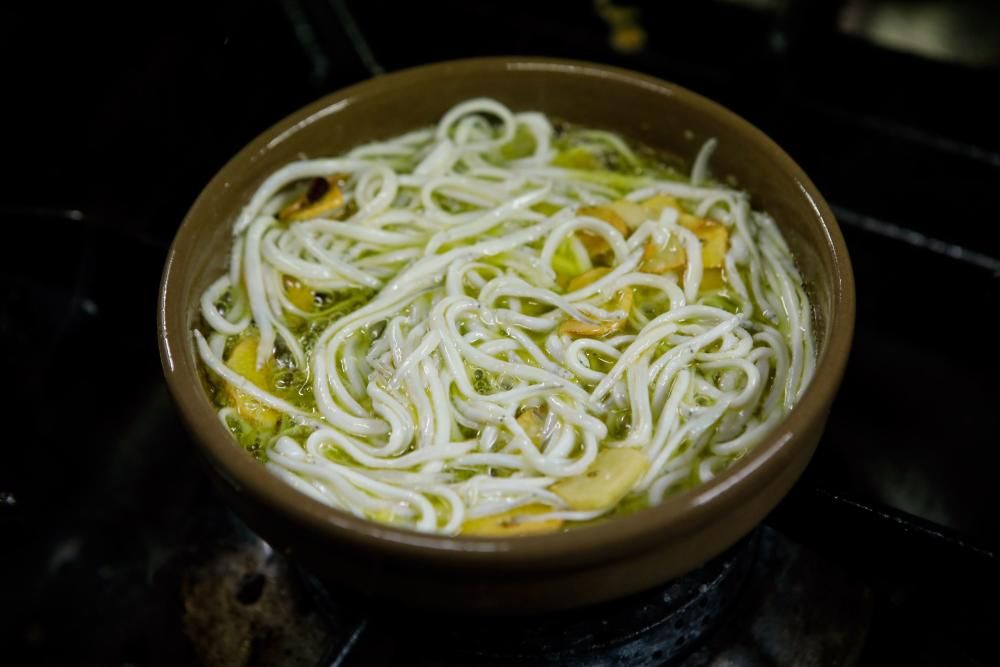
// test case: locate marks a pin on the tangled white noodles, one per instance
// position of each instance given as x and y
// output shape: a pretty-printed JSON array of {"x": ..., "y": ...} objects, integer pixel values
[{"x": 417, "y": 391}]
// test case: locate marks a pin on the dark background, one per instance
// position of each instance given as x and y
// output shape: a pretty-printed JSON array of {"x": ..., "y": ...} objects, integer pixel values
[{"x": 116, "y": 116}]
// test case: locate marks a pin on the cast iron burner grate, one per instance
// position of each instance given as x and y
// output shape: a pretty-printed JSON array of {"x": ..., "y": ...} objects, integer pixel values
[
  {"x": 650, "y": 628},
  {"x": 765, "y": 601}
]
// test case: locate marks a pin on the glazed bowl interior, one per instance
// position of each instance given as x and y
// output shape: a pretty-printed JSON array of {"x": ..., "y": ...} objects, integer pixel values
[{"x": 687, "y": 528}]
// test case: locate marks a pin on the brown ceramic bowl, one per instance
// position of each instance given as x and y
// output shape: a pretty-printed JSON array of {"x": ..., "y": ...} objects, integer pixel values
[{"x": 545, "y": 572}]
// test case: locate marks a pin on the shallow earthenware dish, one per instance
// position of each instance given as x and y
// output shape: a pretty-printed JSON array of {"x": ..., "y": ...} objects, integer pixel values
[{"x": 546, "y": 572}]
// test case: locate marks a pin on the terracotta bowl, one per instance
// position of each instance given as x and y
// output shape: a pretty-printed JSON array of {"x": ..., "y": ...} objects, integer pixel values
[{"x": 545, "y": 572}]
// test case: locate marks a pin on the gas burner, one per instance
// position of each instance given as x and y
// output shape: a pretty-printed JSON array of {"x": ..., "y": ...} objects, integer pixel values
[
  {"x": 241, "y": 605},
  {"x": 797, "y": 608},
  {"x": 649, "y": 628},
  {"x": 765, "y": 601}
]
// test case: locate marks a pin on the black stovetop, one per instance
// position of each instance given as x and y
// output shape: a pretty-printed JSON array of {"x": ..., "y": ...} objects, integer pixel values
[{"x": 113, "y": 548}]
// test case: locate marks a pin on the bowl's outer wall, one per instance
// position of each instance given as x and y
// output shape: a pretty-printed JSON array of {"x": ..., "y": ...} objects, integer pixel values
[{"x": 527, "y": 574}]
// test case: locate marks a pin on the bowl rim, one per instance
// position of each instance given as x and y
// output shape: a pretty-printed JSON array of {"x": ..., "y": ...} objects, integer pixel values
[{"x": 682, "y": 515}]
